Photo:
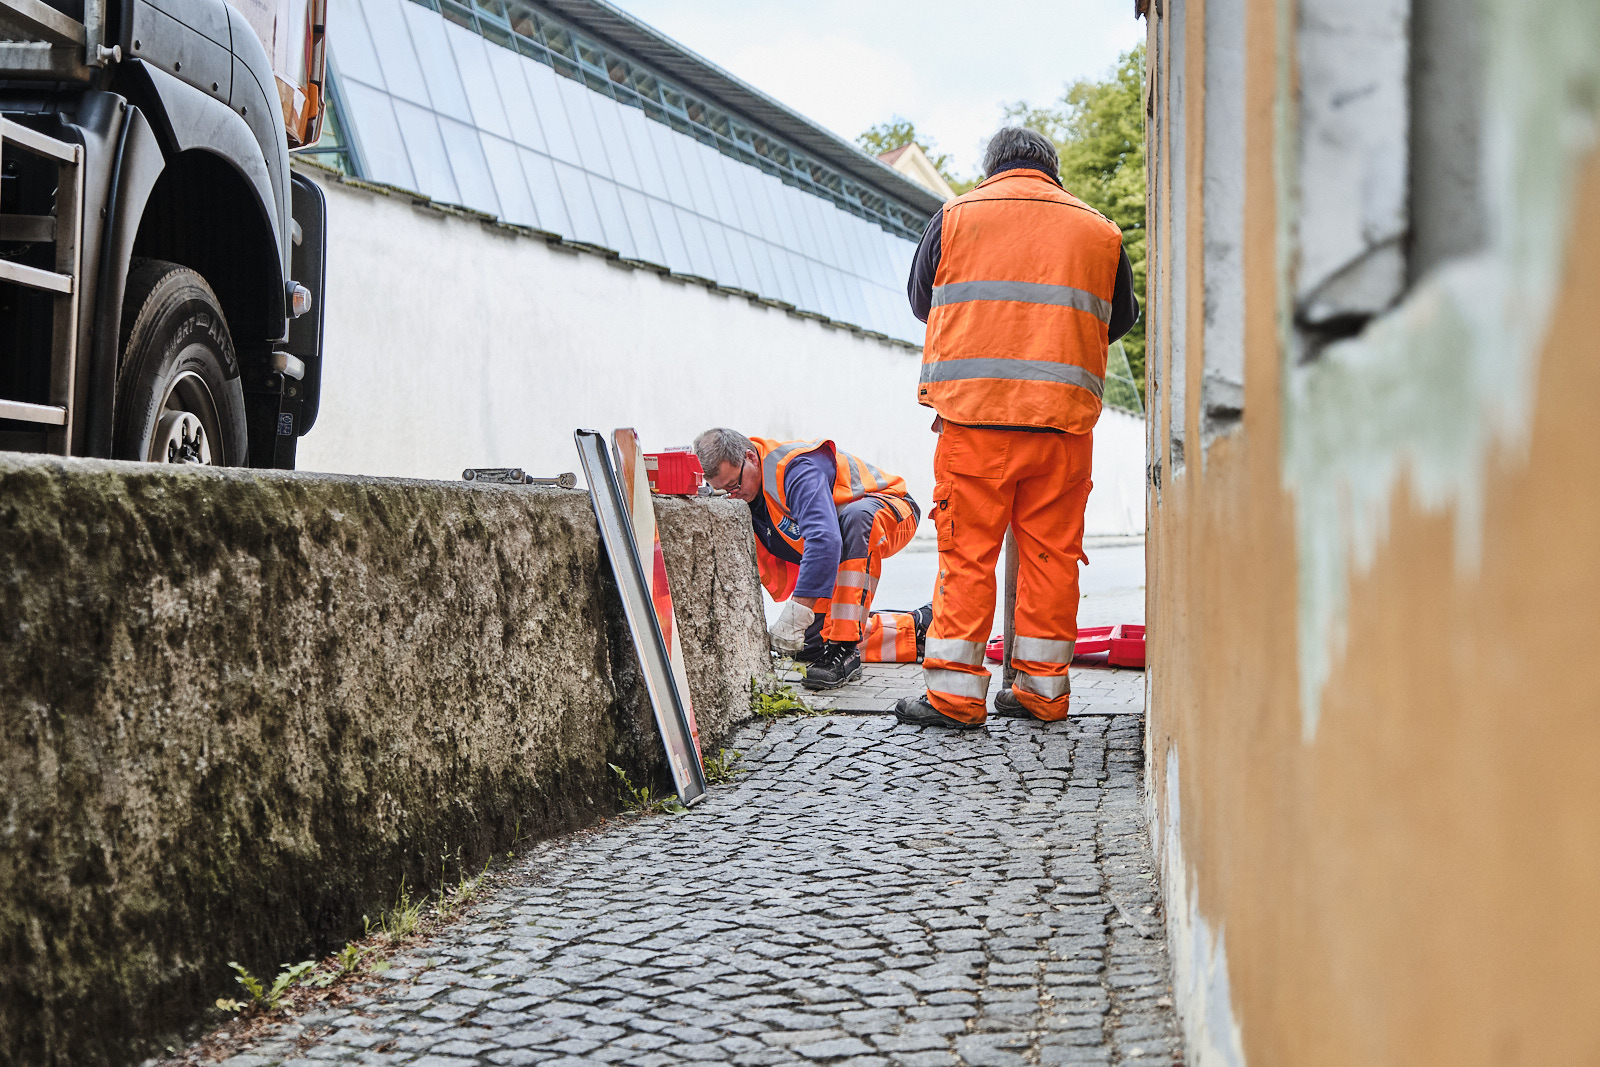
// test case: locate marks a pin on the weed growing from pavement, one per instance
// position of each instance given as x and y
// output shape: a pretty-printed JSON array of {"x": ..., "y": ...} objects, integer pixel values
[
  {"x": 642, "y": 798},
  {"x": 404, "y": 918},
  {"x": 725, "y": 766},
  {"x": 771, "y": 699},
  {"x": 454, "y": 898},
  {"x": 266, "y": 998}
]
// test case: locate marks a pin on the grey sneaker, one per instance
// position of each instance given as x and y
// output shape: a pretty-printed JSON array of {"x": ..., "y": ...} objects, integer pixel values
[{"x": 916, "y": 711}]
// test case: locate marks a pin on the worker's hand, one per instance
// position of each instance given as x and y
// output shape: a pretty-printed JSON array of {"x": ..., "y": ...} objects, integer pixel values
[
  {"x": 789, "y": 630},
  {"x": 805, "y": 602}
]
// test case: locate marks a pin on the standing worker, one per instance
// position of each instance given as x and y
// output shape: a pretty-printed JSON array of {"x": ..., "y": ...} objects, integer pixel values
[
  {"x": 1022, "y": 286},
  {"x": 824, "y": 523}
]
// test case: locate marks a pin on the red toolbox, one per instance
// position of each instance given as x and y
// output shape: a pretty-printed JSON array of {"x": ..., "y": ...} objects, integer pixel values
[
  {"x": 673, "y": 473},
  {"x": 1123, "y": 646},
  {"x": 1092, "y": 640},
  {"x": 1127, "y": 646}
]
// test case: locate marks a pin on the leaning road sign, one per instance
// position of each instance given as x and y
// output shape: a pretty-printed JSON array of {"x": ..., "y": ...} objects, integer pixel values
[
  {"x": 635, "y": 486},
  {"x": 660, "y": 662}
]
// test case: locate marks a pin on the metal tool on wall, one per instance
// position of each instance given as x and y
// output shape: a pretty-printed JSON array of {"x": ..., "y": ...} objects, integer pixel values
[
  {"x": 517, "y": 476},
  {"x": 669, "y": 696}
]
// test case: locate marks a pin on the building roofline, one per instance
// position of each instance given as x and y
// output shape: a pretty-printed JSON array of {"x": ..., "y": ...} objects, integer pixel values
[{"x": 610, "y": 23}]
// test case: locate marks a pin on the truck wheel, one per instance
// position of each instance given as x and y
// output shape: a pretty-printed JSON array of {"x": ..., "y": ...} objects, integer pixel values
[{"x": 179, "y": 399}]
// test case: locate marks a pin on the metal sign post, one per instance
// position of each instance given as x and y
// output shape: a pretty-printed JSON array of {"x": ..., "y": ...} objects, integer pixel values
[{"x": 1008, "y": 673}]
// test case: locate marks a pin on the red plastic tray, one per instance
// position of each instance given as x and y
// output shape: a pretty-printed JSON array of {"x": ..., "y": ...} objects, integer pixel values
[
  {"x": 1127, "y": 646},
  {"x": 1093, "y": 639}
]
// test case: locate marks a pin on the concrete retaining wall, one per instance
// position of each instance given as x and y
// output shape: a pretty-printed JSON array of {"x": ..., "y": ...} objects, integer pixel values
[{"x": 237, "y": 707}]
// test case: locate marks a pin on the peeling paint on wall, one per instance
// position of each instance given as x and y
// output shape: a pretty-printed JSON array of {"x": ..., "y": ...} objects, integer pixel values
[
  {"x": 1429, "y": 389},
  {"x": 1211, "y": 1033}
]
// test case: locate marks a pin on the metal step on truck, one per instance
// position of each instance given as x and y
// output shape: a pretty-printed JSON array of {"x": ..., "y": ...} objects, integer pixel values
[{"x": 161, "y": 268}]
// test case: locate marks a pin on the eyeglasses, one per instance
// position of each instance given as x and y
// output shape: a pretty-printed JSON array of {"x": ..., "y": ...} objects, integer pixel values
[{"x": 734, "y": 483}]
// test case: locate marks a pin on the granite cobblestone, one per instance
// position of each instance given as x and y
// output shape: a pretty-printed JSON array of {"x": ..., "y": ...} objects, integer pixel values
[{"x": 868, "y": 894}]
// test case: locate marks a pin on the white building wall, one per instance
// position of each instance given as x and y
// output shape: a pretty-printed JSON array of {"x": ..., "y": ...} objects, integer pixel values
[{"x": 453, "y": 344}]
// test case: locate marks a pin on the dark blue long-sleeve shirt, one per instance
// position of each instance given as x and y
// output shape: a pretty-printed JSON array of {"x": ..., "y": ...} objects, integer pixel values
[{"x": 808, "y": 485}]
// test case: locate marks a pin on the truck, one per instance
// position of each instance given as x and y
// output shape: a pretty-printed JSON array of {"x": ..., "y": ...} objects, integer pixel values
[{"x": 161, "y": 267}]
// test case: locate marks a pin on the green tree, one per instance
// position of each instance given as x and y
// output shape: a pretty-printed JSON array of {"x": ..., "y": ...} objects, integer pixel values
[
  {"x": 1098, "y": 128},
  {"x": 887, "y": 136}
]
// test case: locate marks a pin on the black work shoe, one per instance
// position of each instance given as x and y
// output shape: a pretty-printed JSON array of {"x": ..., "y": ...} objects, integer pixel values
[
  {"x": 1008, "y": 706},
  {"x": 916, "y": 711},
  {"x": 810, "y": 653},
  {"x": 839, "y": 663}
]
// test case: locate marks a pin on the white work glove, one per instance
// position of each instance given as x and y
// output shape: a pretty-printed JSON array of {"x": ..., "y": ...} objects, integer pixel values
[{"x": 789, "y": 631}]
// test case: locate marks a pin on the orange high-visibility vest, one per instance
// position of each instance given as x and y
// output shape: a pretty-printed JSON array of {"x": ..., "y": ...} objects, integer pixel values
[
  {"x": 1021, "y": 303},
  {"x": 854, "y": 478}
]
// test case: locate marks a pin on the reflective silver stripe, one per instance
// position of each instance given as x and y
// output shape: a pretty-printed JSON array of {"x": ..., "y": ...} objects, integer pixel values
[
  {"x": 857, "y": 490},
  {"x": 1041, "y": 650},
  {"x": 769, "y": 466},
  {"x": 848, "y": 612},
  {"x": 1016, "y": 370},
  {"x": 956, "y": 683},
  {"x": 1023, "y": 293},
  {"x": 888, "y": 630},
  {"x": 952, "y": 650},
  {"x": 856, "y": 580},
  {"x": 1049, "y": 686},
  {"x": 882, "y": 478}
]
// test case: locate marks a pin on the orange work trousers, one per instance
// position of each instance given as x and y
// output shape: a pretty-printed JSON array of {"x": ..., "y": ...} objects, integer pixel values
[
  {"x": 873, "y": 529},
  {"x": 984, "y": 481}
]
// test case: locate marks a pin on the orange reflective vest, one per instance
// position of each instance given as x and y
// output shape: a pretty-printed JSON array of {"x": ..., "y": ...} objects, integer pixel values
[
  {"x": 854, "y": 478},
  {"x": 1017, "y": 331}
]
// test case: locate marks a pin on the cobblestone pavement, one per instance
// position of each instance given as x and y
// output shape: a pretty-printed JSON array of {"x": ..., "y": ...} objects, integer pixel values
[{"x": 868, "y": 894}]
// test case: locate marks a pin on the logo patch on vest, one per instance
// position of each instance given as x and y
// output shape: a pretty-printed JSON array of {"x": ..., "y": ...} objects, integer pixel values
[{"x": 789, "y": 528}]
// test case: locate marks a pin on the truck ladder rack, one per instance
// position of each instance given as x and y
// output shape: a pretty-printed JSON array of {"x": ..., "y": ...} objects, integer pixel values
[{"x": 64, "y": 229}]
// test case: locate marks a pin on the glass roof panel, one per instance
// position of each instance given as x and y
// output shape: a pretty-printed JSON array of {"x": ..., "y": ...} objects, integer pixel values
[
  {"x": 376, "y": 135},
  {"x": 545, "y": 188},
  {"x": 477, "y": 77},
  {"x": 465, "y": 151},
  {"x": 521, "y": 116},
  {"x": 392, "y": 40},
  {"x": 353, "y": 54},
  {"x": 580, "y": 205},
  {"x": 438, "y": 65},
  {"x": 425, "y": 147},
  {"x": 510, "y": 184}
]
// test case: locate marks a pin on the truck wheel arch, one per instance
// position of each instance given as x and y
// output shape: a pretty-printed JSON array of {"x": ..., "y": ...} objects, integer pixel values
[{"x": 202, "y": 212}]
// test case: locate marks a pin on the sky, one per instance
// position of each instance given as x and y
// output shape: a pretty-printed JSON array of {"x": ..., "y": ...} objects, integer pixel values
[{"x": 947, "y": 66}]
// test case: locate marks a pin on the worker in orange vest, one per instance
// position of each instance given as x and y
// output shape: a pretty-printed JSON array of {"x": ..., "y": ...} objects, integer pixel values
[
  {"x": 824, "y": 522},
  {"x": 1022, "y": 286}
]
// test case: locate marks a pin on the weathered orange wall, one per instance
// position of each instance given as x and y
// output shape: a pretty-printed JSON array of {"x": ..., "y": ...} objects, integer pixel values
[{"x": 1420, "y": 882}]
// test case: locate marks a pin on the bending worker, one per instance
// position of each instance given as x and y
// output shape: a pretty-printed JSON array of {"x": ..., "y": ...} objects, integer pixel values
[
  {"x": 1022, "y": 286},
  {"x": 824, "y": 523}
]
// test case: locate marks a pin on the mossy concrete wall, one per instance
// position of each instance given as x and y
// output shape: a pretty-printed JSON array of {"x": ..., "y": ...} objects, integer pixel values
[{"x": 236, "y": 707}]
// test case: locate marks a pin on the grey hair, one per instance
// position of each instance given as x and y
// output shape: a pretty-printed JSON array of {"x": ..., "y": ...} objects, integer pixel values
[
  {"x": 1017, "y": 144},
  {"x": 721, "y": 445}
]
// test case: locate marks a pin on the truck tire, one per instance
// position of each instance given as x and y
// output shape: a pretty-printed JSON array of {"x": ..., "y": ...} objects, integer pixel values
[{"x": 179, "y": 399}]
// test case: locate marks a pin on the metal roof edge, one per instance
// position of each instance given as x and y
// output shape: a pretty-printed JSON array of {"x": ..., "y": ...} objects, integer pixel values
[{"x": 610, "y": 23}]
